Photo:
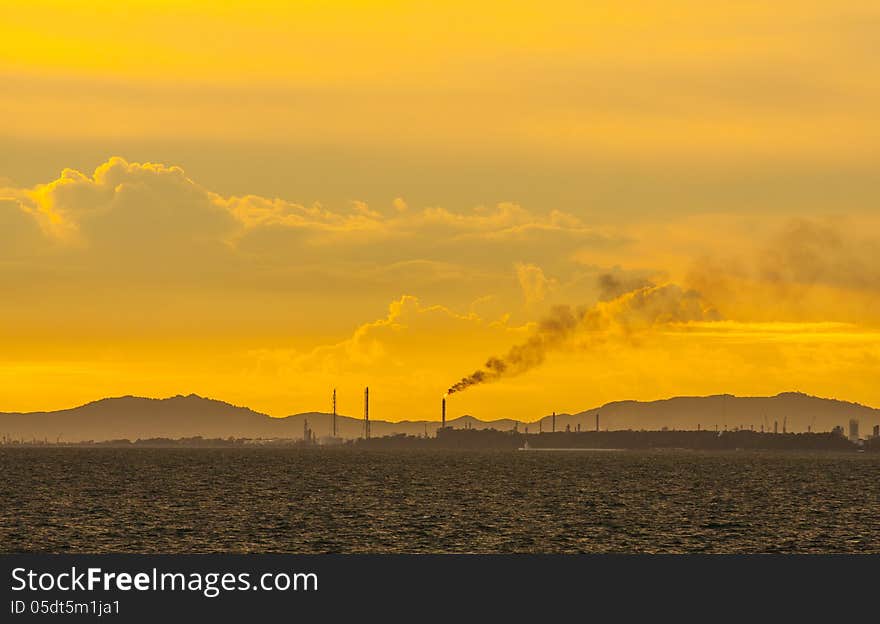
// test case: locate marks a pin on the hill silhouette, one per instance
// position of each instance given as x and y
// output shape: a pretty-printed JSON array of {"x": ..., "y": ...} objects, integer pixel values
[
  {"x": 188, "y": 416},
  {"x": 796, "y": 411}
]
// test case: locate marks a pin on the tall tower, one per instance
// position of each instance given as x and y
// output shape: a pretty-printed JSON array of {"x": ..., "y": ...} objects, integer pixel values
[
  {"x": 443, "y": 414},
  {"x": 333, "y": 420},
  {"x": 367, "y": 412},
  {"x": 597, "y": 421},
  {"x": 553, "y": 421}
]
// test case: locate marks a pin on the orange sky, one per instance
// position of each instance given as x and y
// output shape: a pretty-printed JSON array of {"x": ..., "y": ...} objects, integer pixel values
[{"x": 263, "y": 201}]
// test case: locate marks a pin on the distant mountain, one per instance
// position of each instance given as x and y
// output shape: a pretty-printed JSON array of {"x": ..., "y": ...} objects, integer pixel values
[
  {"x": 793, "y": 410},
  {"x": 187, "y": 416},
  {"x": 136, "y": 417}
]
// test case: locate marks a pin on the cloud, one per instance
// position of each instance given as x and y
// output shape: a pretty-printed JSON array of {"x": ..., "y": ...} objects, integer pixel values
[
  {"x": 807, "y": 252},
  {"x": 535, "y": 285},
  {"x": 413, "y": 344},
  {"x": 793, "y": 269},
  {"x": 755, "y": 266},
  {"x": 19, "y": 232},
  {"x": 152, "y": 222},
  {"x": 126, "y": 208},
  {"x": 613, "y": 285},
  {"x": 143, "y": 249},
  {"x": 146, "y": 223},
  {"x": 141, "y": 264},
  {"x": 165, "y": 199}
]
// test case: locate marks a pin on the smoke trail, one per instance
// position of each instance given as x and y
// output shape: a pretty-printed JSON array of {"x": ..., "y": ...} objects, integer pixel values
[
  {"x": 612, "y": 286},
  {"x": 636, "y": 310},
  {"x": 552, "y": 331}
]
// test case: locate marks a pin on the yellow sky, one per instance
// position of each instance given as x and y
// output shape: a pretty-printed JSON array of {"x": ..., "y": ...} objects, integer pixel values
[{"x": 344, "y": 193}]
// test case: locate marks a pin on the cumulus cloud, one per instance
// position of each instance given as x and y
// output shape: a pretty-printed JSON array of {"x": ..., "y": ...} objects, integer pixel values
[
  {"x": 129, "y": 214},
  {"x": 413, "y": 340},
  {"x": 131, "y": 227},
  {"x": 154, "y": 221},
  {"x": 534, "y": 284},
  {"x": 19, "y": 232},
  {"x": 143, "y": 250},
  {"x": 153, "y": 218},
  {"x": 158, "y": 200}
]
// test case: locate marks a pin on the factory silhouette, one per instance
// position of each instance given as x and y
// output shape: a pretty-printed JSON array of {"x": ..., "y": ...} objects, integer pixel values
[
  {"x": 787, "y": 420},
  {"x": 713, "y": 438}
]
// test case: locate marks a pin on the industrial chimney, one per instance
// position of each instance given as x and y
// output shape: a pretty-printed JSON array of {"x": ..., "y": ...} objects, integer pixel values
[
  {"x": 333, "y": 422},
  {"x": 367, "y": 412},
  {"x": 443, "y": 414}
]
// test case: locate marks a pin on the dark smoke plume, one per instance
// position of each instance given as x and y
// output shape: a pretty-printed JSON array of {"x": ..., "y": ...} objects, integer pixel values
[
  {"x": 639, "y": 309},
  {"x": 612, "y": 286}
]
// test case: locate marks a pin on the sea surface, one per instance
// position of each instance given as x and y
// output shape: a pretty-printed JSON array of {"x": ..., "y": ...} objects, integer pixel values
[{"x": 318, "y": 501}]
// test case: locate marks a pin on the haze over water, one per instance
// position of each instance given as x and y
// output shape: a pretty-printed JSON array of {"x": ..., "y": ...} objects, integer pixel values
[{"x": 271, "y": 500}]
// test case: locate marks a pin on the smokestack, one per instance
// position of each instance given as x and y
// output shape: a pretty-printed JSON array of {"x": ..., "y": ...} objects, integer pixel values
[
  {"x": 443, "y": 414},
  {"x": 333, "y": 422},
  {"x": 554, "y": 422},
  {"x": 367, "y": 412}
]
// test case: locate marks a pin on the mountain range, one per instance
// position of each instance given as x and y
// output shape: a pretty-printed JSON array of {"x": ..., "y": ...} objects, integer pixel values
[{"x": 188, "y": 416}]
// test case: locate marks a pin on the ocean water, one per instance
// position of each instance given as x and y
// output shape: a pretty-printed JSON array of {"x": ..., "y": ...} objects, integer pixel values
[{"x": 312, "y": 501}]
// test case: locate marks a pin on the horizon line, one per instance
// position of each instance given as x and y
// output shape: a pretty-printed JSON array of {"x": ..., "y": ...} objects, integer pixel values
[{"x": 490, "y": 420}]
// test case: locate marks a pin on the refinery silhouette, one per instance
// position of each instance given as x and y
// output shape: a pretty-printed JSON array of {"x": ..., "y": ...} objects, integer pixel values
[{"x": 784, "y": 421}]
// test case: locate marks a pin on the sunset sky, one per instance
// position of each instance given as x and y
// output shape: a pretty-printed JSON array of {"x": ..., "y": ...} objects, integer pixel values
[{"x": 262, "y": 201}]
